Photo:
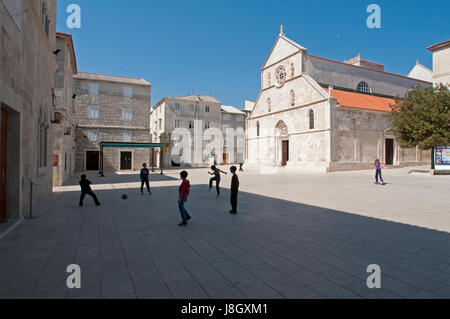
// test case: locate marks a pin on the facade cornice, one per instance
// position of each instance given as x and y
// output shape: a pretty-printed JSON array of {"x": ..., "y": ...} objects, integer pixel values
[
  {"x": 110, "y": 127},
  {"x": 290, "y": 109}
]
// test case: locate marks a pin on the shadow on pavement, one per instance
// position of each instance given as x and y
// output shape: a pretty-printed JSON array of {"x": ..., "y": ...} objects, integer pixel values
[{"x": 271, "y": 249}]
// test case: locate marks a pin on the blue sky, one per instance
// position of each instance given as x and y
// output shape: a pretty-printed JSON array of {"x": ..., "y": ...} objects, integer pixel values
[{"x": 220, "y": 46}]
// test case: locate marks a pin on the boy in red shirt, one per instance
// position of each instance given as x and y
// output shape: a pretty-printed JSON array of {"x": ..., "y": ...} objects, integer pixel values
[{"x": 184, "y": 190}]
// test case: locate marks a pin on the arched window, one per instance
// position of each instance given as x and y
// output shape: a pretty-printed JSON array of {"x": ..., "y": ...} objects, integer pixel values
[
  {"x": 269, "y": 105},
  {"x": 363, "y": 87},
  {"x": 311, "y": 119},
  {"x": 257, "y": 128},
  {"x": 292, "y": 70},
  {"x": 269, "y": 80}
]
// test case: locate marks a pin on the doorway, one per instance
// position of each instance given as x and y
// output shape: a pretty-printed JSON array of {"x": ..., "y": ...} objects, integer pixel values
[
  {"x": 285, "y": 153},
  {"x": 389, "y": 151},
  {"x": 225, "y": 158},
  {"x": 92, "y": 160},
  {"x": 126, "y": 160},
  {"x": 3, "y": 161}
]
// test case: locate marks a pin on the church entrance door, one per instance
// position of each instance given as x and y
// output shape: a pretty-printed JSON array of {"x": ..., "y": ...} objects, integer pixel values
[{"x": 285, "y": 153}]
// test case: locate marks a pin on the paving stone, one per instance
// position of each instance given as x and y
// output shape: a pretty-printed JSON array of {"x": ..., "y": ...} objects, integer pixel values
[{"x": 288, "y": 241}]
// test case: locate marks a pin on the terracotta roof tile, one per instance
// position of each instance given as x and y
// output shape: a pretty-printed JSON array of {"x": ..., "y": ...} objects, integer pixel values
[{"x": 362, "y": 101}]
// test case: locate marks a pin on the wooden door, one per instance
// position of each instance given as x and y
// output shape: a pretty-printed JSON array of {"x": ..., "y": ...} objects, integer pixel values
[
  {"x": 285, "y": 154},
  {"x": 125, "y": 160},
  {"x": 3, "y": 157},
  {"x": 92, "y": 160},
  {"x": 389, "y": 151}
]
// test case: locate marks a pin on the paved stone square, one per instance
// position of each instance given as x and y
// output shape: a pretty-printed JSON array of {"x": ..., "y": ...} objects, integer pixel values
[{"x": 296, "y": 235}]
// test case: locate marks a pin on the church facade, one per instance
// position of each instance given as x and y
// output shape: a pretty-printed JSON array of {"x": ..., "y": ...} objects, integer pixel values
[{"x": 317, "y": 114}]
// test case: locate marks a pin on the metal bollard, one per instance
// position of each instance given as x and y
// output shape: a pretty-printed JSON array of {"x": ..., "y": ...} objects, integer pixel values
[{"x": 31, "y": 201}]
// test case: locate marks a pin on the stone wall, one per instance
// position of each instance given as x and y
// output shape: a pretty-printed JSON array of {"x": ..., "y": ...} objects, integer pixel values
[
  {"x": 27, "y": 65},
  {"x": 110, "y": 124},
  {"x": 359, "y": 138},
  {"x": 441, "y": 66},
  {"x": 64, "y": 132},
  {"x": 347, "y": 76}
]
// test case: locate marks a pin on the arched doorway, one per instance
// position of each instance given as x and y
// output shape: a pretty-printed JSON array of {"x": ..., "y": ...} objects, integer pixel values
[{"x": 282, "y": 144}]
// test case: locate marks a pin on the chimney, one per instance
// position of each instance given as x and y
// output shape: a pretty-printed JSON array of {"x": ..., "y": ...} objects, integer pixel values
[{"x": 330, "y": 90}]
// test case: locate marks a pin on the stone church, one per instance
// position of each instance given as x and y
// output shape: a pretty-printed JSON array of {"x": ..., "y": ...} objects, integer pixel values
[{"x": 323, "y": 115}]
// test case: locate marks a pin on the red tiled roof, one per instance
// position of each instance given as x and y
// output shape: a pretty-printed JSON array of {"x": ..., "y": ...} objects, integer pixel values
[{"x": 362, "y": 101}]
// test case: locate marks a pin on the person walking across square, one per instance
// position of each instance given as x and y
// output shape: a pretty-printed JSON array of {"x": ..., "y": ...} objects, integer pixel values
[
  {"x": 377, "y": 165},
  {"x": 184, "y": 191},
  {"x": 234, "y": 190}
]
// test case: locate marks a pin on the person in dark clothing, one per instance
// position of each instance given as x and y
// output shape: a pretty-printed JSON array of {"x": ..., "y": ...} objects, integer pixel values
[
  {"x": 234, "y": 190},
  {"x": 216, "y": 172},
  {"x": 183, "y": 192},
  {"x": 86, "y": 190},
  {"x": 144, "y": 179}
]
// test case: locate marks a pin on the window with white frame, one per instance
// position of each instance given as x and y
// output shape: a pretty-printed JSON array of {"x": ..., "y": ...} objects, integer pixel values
[
  {"x": 177, "y": 123},
  {"x": 128, "y": 92},
  {"x": 207, "y": 109},
  {"x": 93, "y": 136},
  {"x": 206, "y": 125},
  {"x": 240, "y": 118},
  {"x": 227, "y": 117},
  {"x": 94, "y": 112},
  {"x": 127, "y": 137},
  {"x": 177, "y": 106},
  {"x": 93, "y": 88},
  {"x": 127, "y": 115}
]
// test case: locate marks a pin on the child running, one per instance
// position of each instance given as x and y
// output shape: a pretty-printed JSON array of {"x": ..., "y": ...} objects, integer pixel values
[
  {"x": 234, "y": 190},
  {"x": 144, "y": 179},
  {"x": 216, "y": 172},
  {"x": 184, "y": 191},
  {"x": 86, "y": 190},
  {"x": 377, "y": 165}
]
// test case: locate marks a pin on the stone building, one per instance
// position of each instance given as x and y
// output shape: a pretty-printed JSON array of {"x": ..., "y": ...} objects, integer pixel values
[
  {"x": 111, "y": 109},
  {"x": 64, "y": 125},
  {"x": 421, "y": 72},
  {"x": 234, "y": 146},
  {"x": 318, "y": 114},
  {"x": 27, "y": 71},
  {"x": 441, "y": 63},
  {"x": 183, "y": 113}
]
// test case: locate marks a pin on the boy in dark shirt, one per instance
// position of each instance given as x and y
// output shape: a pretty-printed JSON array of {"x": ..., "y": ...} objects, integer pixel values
[
  {"x": 144, "y": 179},
  {"x": 86, "y": 189},
  {"x": 216, "y": 172},
  {"x": 184, "y": 191},
  {"x": 234, "y": 190}
]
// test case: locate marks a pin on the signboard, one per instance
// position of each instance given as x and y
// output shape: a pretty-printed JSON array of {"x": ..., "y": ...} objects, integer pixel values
[
  {"x": 442, "y": 158},
  {"x": 55, "y": 160}
]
